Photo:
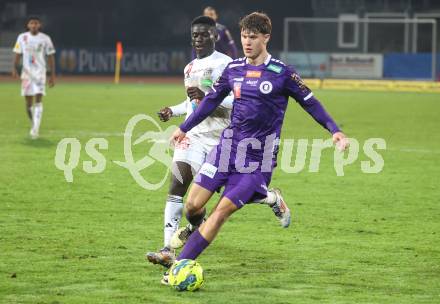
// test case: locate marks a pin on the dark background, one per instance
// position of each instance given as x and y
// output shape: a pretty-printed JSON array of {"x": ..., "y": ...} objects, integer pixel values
[
  {"x": 140, "y": 23},
  {"x": 164, "y": 23}
]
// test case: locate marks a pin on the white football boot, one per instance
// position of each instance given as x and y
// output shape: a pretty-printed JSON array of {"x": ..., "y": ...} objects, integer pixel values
[
  {"x": 280, "y": 209},
  {"x": 180, "y": 237}
]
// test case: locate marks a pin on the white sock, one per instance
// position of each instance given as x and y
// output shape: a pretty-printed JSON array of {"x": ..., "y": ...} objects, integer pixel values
[
  {"x": 270, "y": 199},
  {"x": 172, "y": 216},
  {"x": 37, "y": 115}
]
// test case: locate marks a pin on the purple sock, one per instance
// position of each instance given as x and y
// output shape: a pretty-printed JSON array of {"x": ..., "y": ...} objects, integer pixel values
[{"x": 193, "y": 247}]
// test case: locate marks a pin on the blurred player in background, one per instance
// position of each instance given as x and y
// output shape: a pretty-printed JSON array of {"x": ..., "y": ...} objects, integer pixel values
[
  {"x": 261, "y": 86},
  {"x": 191, "y": 152},
  {"x": 225, "y": 43},
  {"x": 33, "y": 47}
]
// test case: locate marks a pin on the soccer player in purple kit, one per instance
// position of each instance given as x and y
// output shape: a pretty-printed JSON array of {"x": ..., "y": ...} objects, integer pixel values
[
  {"x": 190, "y": 154},
  {"x": 261, "y": 87}
]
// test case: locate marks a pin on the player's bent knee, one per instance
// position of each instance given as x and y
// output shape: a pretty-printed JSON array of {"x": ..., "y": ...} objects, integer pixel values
[
  {"x": 191, "y": 207},
  {"x": 197, "y": 199}
]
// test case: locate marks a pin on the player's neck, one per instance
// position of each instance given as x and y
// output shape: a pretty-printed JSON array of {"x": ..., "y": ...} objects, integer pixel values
[
  {"x": 205, "y": 55},
  {"x": 34, "y": 34},
  {"x": 260, "y": 59}
]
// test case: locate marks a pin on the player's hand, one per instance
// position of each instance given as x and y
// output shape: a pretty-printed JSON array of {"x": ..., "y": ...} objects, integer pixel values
[
  {"x": 51, "y": 82},
  {"x": 195, "y": 93},
  {"x": 165, "y": 114},
  {"x": 177, "y": 136},
  {"x": 341, "y": 141}
]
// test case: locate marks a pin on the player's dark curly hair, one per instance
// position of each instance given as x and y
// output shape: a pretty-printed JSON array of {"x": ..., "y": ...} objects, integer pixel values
[
  {"x": 29, "y": 18},
  {"x": 203, "y": 20},
  {"x": 256, "y": 22}
]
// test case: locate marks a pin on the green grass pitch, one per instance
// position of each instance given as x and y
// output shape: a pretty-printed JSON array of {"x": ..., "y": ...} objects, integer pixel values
[{"x": 360, "y": 238}]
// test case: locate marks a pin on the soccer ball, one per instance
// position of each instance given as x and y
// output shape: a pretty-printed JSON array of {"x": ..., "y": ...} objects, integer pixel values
[{"x": 186, "y": 275}]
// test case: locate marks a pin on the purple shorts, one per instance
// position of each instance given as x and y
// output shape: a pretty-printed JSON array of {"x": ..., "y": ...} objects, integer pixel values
[{"x": 240, "y": 188}]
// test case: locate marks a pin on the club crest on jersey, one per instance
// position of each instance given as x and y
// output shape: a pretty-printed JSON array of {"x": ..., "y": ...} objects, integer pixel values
[
  {"x": 253, "y": 74},
  {"x": 237, "y": 90},
  {"x": 266, "y": 87},
  {"x": 207, "y": 73}
]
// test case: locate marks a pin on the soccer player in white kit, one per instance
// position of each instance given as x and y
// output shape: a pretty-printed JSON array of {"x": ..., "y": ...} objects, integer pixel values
[
  {"x": 33, "y": 47},
  {"x": 200, "y": 75}
]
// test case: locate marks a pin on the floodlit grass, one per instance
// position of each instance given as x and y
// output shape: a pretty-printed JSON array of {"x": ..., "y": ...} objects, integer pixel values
[{"x": 360, "y": 238}]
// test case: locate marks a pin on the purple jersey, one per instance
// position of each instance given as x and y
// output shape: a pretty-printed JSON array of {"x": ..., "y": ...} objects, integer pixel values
[{"x": 260, "y": 100}]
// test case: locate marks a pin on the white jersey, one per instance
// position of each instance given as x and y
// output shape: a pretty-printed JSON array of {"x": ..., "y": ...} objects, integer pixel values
[
  {"x": 34, "y": 49},
  {"x": 202, "y": 73}
]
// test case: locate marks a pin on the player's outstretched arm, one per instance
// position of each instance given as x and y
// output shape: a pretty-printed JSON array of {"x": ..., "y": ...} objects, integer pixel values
[
  {"x": 172, "y": 111},
  {"x": 297, "y": 89},
  {"x": 179, "y": 109},
  {"x": 320, "y": 115}
]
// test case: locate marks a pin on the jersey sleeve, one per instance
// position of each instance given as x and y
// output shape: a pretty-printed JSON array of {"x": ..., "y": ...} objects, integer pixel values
[
  {"x": 49, "y": 49},
  {"x": 296, "y": 88},
  {"x": 180, "y": 108},
  {"x": 208, "y": 104},
  {"x": 17, "y": 48}
]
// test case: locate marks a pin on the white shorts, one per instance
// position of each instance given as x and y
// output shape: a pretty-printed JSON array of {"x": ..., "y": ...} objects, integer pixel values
[
  {"x": 193, "y": 151},
  {"x": 33, "y": 87}
]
